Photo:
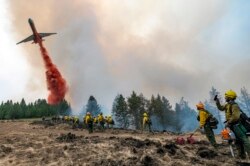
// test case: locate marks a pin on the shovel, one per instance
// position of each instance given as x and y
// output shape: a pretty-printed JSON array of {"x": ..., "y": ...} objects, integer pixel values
[
  {"x": 193, "y": 132},
  {"x": 231, "y": 150},
  {"x": 190, "y": 140}
]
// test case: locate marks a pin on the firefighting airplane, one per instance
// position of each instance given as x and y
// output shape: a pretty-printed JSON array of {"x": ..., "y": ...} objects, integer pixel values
[{"x": 36, "y": 37}]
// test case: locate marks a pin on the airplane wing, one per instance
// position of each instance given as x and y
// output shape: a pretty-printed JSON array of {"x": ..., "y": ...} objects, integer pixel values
[
  {"x": 46, "y": 34},
  {"x": 30, "y": 38}
]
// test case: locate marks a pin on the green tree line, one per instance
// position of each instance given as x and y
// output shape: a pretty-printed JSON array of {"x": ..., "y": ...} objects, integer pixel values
[
  {"x": 37, "y": 109},
  {"x": 128, "y": 113}
]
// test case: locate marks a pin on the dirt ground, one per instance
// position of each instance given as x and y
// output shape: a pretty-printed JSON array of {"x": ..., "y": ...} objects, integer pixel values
[{"x": 40, "y": 143}]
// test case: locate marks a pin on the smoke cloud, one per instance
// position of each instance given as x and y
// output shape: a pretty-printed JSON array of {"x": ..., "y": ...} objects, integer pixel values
[{"x": 111, "y": 47}]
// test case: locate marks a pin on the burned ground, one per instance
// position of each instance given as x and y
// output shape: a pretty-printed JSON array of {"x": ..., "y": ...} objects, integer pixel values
[{"x": 48, "y": 143}]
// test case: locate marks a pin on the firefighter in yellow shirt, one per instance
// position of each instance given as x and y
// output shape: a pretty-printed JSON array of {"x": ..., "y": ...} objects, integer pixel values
[
  {"x": 101, "y": 121},
  {"x": 203, "y": 119},
  {"x": 146, "y": 122},
  {"x": 89, "y": 122},
  {"x": 110, "y": 122}
]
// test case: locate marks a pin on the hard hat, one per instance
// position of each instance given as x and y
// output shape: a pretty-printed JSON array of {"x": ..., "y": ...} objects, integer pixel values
[
  {"x": 230, "y": 94},
  {"x": 88, "y": 113},
  {"x": 200, "y": 105},
  {"x": 109, "y": 116},
  {"x": 145, "y": 114}
]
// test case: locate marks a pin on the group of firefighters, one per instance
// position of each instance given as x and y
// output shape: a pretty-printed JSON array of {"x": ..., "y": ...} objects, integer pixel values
[
  {"x": 232, "y": 124},
  {"x": 91, "y": 122},
  {"x": 101, "y": 122}
]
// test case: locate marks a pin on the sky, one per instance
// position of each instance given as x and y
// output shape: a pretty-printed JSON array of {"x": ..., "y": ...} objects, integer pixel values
[{"x": 104, "y": 48}]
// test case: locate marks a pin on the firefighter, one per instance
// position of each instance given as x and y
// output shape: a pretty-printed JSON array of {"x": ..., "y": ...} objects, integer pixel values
[
  {"x": 71, "y": 119},
  {"x": 95, "y": 122},
  {"x": 75, "y": 122},
  {"x": 146, "y": 122},
  {"x": 66, "y": 119},
  {"x": 89, "y": 122},
  {"x": 84, "y": 122},
  {"x": 110, "y": 122},
  {"x": 203, "y": 119},
  {"x": 106, "y": 121},
  {"x": 232, "y": 112},
  {"x": 101, "y": 121}
]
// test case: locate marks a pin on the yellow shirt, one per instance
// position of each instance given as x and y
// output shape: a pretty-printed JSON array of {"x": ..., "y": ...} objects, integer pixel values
[
  {"x": 100, "y": 118},
  {"x": 95, "y": 120},
  {"x": 232, "y": 115},
  {"x": 109, "y": 120},
  {"x": 203, "y": 117},
  {"x": 88, "y": 119},
  {"x": 145, "y": 120}
]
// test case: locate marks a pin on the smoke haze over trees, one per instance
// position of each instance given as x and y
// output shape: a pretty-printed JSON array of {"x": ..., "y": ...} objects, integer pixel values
[
  {"x": 99, "y": 39},
  {"x": 128, "y": 111},
  {"x": 244, "y": 100},
  {"x": 180, "y": 119},
  {"x": 93, "y": 107},
  {"x": 212, "y": 108},
  {"x": 163, "y": 117}
]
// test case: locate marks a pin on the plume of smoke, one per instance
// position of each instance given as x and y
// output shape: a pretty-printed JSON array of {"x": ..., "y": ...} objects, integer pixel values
[{"x": 116, "y": 47}]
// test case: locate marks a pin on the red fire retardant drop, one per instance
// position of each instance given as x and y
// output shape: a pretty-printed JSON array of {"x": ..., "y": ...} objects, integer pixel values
[{"x": 55, "y": 82}]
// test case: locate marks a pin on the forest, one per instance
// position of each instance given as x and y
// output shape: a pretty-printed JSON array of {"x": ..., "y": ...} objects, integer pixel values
[{"x": 127, "y": 111}]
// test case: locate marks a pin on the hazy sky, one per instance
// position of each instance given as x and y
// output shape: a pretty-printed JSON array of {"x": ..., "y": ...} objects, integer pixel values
[{"x": 174, "y": 48}]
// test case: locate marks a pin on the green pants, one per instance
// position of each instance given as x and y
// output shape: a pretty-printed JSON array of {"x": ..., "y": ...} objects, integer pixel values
[
  {"x": 102, "y": 125},
  {"x": 147, "y": 125},
  {"x": 242, "y": 142},
  {"x": 90, "y": 127},
  {"x": 210, "y": 134}
]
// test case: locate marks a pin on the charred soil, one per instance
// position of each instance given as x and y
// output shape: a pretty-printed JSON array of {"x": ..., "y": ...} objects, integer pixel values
[{"x": 48, "y": 143}]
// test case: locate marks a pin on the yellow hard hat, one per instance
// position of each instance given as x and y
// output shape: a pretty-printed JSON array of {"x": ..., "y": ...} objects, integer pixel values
[
  {"x": 200, "y": 105},
  {"x": 145, "y": 114},
  {"x": 230, "y": 94}
]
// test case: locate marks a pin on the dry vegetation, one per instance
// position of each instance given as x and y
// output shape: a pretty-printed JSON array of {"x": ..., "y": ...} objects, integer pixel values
[{"x": 39, "y": 143}]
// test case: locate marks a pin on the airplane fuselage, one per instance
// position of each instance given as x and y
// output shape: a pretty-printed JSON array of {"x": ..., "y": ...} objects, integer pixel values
[{"x": 37, "y": 38}]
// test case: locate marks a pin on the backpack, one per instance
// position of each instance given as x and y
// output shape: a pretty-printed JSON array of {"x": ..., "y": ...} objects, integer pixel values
[
  {"x": 244, "y": 119},
  {"x": 211, "y": 120}
]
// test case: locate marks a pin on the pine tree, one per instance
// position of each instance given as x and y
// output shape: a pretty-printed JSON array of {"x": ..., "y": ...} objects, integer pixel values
[
  {"x": 186, "y": 116},
  {"x": 157, "y": 115},
  {"x": 244, "y": 101},
  {"x": 212, "y": 94},
  {"x": 210, "y": 105},
  {"x": 92, "y": 106},
  {"x": 168, "y": 114},
  {"x": 136, "y": 106},
  {"x": 120, "y": 112},
  {"x": 39, "y": 108}
]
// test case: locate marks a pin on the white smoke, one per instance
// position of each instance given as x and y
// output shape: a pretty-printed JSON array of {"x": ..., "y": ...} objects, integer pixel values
[{"x": 105, "y": 48}]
